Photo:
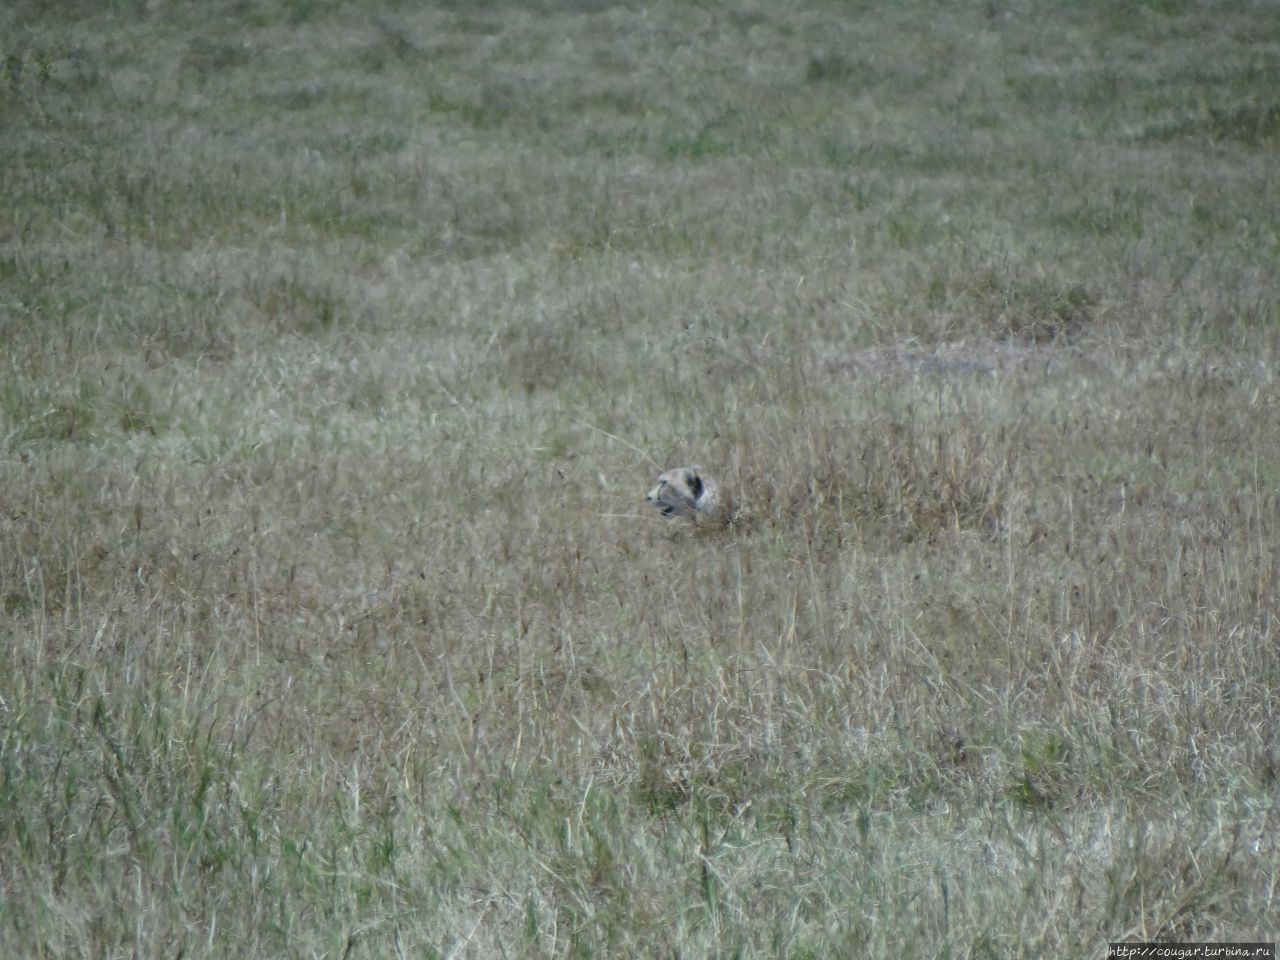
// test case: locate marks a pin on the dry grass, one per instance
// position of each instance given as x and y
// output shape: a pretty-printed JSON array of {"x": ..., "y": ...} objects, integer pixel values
[{"x": 338, "y": 344}]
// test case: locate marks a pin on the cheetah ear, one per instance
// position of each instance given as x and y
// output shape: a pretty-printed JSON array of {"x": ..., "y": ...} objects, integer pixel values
[{"x": 695, "y": 485}]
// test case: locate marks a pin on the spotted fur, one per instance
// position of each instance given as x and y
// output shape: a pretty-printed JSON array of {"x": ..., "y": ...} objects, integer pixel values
[{"x": 684, "y": 492}]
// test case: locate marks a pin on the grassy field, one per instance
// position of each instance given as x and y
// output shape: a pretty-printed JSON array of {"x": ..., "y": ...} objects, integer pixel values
[{"x": 340, "y": 342}]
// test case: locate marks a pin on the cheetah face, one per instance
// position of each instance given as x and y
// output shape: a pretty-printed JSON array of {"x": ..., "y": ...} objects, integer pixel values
[{"x": 682, "y": 492}]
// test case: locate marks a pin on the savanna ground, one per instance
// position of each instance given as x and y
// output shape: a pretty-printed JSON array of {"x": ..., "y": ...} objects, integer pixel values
[{"x": 340, "y": 342}]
